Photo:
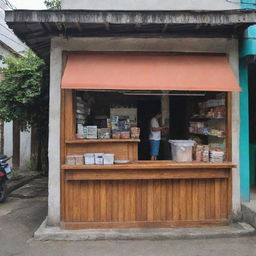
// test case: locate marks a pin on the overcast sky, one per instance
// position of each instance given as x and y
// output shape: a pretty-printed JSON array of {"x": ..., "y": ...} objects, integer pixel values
[{"x": 28, "y": 4}]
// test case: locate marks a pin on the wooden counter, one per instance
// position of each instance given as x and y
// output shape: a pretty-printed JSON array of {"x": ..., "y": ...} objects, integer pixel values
[{"x": 146, "y": 194}]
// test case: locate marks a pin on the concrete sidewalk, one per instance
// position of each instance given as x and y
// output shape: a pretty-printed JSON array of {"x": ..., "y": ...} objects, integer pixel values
[
  {"x": 21, "y": 178},
  {"x": 56, "y": 233}
]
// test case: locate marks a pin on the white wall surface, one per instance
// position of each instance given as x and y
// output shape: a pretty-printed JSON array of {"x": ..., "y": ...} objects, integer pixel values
[
  {"x": 150, "y": 4},
  {"x": 25, "y": 149},
  {"x": 189, "y": 45}
]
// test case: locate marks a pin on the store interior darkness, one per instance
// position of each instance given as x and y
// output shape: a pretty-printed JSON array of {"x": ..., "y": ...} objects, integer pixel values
[{"x": 181, "y": 110}]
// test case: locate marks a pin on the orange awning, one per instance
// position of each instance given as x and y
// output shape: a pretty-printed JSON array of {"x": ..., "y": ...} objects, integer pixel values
[{"x": 149, "y": 72}]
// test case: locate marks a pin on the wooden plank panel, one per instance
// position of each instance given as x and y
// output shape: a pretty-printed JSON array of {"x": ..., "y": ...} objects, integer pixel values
[
  {"x": 202, "y": 199},
  {"x": 212, "y": 199},
  {"x": 109, "y": 199},
  {"x": 121, "y": 150},
  {"x": 163, "y": 199},
  {"x": 150, "y": 204},
  {"x": 121, "y": 201},
  {"x": 68, "y": 201},
  {"x": 146, "y": 201},
  {"x": 114, "y": 201},
  {"x": 183, "y": 200},
  {"x": 145, "y": 224},
  {"x": 189, "y": 200},
  {"x": 103, "y": 201},
  {"x": 139, "y": 210},
  {"x": 208, "y": 199},
  {"x": 133, "y": 200},
  {"x": 195, "y": 199},
  {"x": 127, "y": 199},
  {"x": 169, "y": 204},
  {"x": 96, "y": 201},
  {"x": 224, "y": 198},
  {"x": 84, "y": 201},
  {"x": 144, "y": 198},
  {"x": 217, "y": 198},
  {"x": 90, "y": 209},
  {"x": 158, "y": 165},
  {"x": 176, "y": 200},
  {"x": 76, "y": 201},
  {"x": 156, "y": 199},
  {"x": 100, "y": 174}
]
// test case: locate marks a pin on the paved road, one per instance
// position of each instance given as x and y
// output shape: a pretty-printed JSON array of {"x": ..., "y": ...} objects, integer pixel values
[{"x": 24, "y": 211}]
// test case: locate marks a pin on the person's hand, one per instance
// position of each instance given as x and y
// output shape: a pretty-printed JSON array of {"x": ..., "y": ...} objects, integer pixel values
[{"x": 165, "y": 127}]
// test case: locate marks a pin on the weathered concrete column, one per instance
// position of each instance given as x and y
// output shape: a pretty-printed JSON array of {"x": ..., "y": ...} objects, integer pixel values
[
  {"x": 232, "y": 52},
  {"x": 54, "y": 135}
]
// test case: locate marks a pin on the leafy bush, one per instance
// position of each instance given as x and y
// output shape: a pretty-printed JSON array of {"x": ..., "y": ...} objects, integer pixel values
[{"x": 22, "y": 93}]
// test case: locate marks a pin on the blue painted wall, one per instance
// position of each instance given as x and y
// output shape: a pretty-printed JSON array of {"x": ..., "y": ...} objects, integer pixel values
[{"x": 247, "y": 47}]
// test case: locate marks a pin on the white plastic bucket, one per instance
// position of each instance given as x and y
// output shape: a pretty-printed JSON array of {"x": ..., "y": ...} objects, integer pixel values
[{"x": 182, "y": 150}]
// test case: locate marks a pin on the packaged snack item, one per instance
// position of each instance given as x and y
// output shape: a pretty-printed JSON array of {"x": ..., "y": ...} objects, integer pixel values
[
  {"x": 135, "y": 132},
  {"x": 125, "y": 135}
]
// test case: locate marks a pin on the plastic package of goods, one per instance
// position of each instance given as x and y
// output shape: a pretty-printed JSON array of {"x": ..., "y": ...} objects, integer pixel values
[
  {"x": 70, "y": 160},
  {"x": 198, "y": 154},
  {"x": 205, "y": 156},
  {"x": 79, "y": 159},
  {"x": 90, "y": 132},
  {"x": 116, "y": 134},
  {"x": 104, "y": 133},
  {"x": 99, "y": 158},
  {"x": 135, "y": 132},
  {"x": 216, "y": 157},
  {"x": 125, "y": 135},
  {"x": 80, "y": 131},
  {"x": 89, "y": 158},
  {"x": 108, "y": 159},
  {"x": 182, "y": 150}
]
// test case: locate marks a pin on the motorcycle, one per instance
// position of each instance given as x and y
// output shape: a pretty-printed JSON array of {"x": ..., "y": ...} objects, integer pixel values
[{"x": 5, "y": 174}]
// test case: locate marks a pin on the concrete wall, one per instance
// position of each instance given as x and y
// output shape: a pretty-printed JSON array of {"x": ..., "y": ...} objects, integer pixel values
[
  {"x": 25, "y": 145},
  {"x": 190, "y": 45},
  {"x": 150, "y": 4}
]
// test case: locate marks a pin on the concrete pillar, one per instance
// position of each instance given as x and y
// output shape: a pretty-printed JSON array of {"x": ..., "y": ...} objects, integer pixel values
[
  {"x": 25, "y": 149},
  {"x": 54, "y": 136}
]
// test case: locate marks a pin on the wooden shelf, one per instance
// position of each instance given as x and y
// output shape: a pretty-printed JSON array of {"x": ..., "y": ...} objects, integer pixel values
[
  {"x": 206, "y": 118},
  {"x": 152, "y": 165},
  {"x": 221, "y": 137},
  {"x": 88, "y": 141}
]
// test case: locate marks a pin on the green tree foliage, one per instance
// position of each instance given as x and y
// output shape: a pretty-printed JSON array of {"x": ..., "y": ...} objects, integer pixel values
[
  {"x": 53, "y": 4},
  {"x": 23, "y": 92}
]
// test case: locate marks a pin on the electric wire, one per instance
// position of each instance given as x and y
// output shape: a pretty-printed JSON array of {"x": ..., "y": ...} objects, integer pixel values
[{"x": 12, "y": 40}]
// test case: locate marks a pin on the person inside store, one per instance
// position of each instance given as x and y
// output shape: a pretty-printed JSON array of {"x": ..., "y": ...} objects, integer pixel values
[{"x": 155, "y": 135}]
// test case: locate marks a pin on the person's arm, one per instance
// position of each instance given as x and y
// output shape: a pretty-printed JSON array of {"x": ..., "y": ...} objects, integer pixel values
[{"x": 156, "y": 129}]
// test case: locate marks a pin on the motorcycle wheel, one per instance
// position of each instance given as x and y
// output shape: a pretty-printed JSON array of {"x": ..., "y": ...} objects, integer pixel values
[{"x": 3, "y": 192}]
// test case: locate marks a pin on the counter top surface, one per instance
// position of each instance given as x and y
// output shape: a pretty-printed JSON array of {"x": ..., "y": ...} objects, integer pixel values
[
  {"x": 165, "y": 164},
  {"x": 84, "y": 141}
]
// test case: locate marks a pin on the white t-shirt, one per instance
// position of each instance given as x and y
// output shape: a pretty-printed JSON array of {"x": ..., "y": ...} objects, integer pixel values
[{"x": 154, "y": 135}]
